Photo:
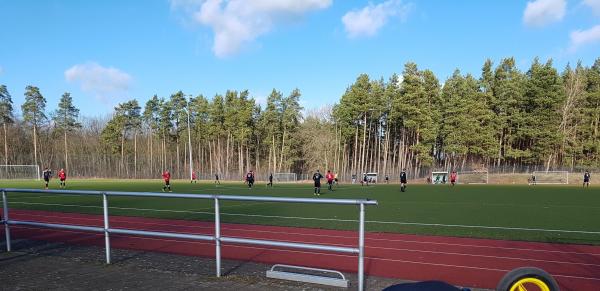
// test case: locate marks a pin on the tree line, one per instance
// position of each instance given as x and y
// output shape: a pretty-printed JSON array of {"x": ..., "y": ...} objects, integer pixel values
[{"x": 503, "y": 120}]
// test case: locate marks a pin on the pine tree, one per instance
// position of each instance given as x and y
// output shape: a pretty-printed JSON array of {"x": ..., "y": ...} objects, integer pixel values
[
  {"x": 6, "y": 116},
  {"x": 151, "y": 118},
  {"x": 508, "y": 90},
  {"x": 33, "y": 113},
  {"x": 65, "y": 120},
  {"x": 544, "y": 95}
]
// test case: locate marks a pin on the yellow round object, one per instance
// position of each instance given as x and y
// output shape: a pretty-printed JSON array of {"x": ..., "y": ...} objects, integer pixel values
[{"x": 520, "y": 285}]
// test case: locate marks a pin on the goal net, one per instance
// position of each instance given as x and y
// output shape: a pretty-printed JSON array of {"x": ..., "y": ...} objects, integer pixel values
[
  {"x": 19, "y": 172},
  {"x": 439, "y": 177},
  {"x": 285, "y": 177},
  {"x": 551, "y": 177},
  {"x": 473, "y": 177},
  {"x": 371, "y": 177}
]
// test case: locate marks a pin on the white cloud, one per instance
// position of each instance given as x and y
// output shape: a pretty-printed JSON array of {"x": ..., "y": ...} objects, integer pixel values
[
  {"x": 368, "y": 20},
  {"x": 236, "y": 23},
  {"x": 542, "y": 12},
  {"x": 580, "y": 38},
  {"x": 594, "y": 4},
  {"x": 102, "y": 81}
]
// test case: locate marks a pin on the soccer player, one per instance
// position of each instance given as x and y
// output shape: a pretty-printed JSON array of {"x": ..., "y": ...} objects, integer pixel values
[
  {"x": 453, "y": 176},
  {"x": 353, "y": 178},
  {"x": 194, "y": 178},
  {"x": 387, "y": 179},
  {"x": 403, "y": 180},
  {"x": 250, "y": 179},
  {"x": 270, "y": 180},
  {"x": 365, "y": 180},
  {"x": 167, "y": 177},
  {"x": 317, "y": 179},
  {"x": 586, "y": 179},
  {"x": 532, "y": 180},
  {"x": 335, "y": 179},
  {"x": 62, "y": 175},
  {"x": 217, "y": 179},
  {"x": 47, "y": 173},
  {"x": 329, "y": 177}
]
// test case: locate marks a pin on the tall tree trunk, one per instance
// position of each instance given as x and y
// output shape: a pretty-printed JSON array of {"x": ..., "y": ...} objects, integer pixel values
[
  {"x": 178, "y": 158},
  {"x": 282, "y": 149},
  {"x": 150, "y": 137},
  {"x": 274, "y": 155},
  {"x": 135, "y": 154},
  {"x": 227, "y": 156},
  {"x": 362, "y": 154},
  {"x": 5, "y": 144},
  {"x": 66, "y": 153},
  {"x": 210, "y": 157},
  {"x": 548, "y": 162},
  {"x": 35, "y": 145},
  {"x": 355, "y": 153},
  {"x": 122, "y": 151}
]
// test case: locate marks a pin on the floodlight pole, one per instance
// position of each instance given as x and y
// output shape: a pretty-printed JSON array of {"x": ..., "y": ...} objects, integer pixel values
[{"x": 187, "y": 110}]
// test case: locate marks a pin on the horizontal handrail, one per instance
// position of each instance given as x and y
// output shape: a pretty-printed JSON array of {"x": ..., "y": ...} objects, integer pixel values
[
  {"x": 199, "y": 196},
  {"x": 217, "y": 237}
]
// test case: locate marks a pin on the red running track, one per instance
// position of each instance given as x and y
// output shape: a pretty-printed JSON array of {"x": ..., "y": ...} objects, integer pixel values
[{"x": 460, "y": 261}]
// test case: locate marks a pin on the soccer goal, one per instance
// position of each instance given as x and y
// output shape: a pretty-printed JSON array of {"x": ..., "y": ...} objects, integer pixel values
[
  {"x": 551, "y": 177},
  {"x": 19, "y": 172},
  {"x": 371, "y": 177},
  {"x": 285, "y": 177},
  {"x": 473, "y": 177},
  {"x": 439, "y": 177}
]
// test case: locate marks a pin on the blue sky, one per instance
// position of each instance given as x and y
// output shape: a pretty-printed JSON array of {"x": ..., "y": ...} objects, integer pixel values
[{"x": 105, "y": 52}]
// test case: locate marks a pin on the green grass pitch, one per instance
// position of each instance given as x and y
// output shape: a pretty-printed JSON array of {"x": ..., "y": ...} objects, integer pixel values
[{"x": 566, "y": 214}]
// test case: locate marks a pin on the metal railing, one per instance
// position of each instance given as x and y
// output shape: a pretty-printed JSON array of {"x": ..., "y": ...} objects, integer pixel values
[{"x": 217, "y": 238}]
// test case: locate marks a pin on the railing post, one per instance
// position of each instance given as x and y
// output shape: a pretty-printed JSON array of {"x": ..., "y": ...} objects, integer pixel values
[
  {"x": 106, "y": 227},
  {"x": 361, "y": 248},
  {"x": 6, "y": 227},
  {"x": 218, "y": 237}
]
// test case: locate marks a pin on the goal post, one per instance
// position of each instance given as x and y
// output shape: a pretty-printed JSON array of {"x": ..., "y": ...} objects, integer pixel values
[
  {"x": 8, "y": 172},
  {"x": 285, "y": 177},
  {"x": 371, "y": 177},
  {"x": 440, "y": 177},
  {"x": 473, "y": 177},
  {"x": 551, "y": 177}
]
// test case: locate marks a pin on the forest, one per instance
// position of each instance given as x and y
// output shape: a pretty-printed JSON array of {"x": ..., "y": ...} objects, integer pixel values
[{"x": 504, "y": 120}]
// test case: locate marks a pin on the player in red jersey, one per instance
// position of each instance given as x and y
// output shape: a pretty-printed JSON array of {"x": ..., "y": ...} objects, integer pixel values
[
  {"x": 167, "y": 177},
  {"x": 194, "y": 178},
  {"x": 62, "y": 175},
  {"x": 329, "y": 176},
  {"x": 453, "y": 177}
]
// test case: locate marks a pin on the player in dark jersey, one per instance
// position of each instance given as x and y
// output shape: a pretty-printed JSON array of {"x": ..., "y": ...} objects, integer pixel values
[
  {"x": 250, "y": 179},
  {"x": 586, "y": 179},
  {"x": 217, "y": 179},
  {"x": 47, "y": 173},
  {"x": 62, "y": 175},
  {"x": 167, "y": 177},
  {"x": 270, "y": 180},
  {"x": 532, "y": 179},
  {"x": 387, "y": 179},
  {"x": 317, "y": 179},
  {"x": 403, "y": 180}
]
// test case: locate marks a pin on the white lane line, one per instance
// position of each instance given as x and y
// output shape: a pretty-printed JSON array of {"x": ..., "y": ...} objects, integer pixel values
[
  {"x": 452, "y": 244},
  {"x": 410, "y": 249},
  {"x": 340, "y": 255}
]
